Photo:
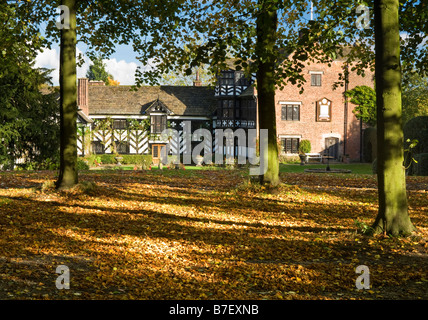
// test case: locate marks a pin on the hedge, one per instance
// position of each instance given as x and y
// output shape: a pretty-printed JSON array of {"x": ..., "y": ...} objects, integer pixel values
[
  {"x": 417, "y": 128},
  {"x": 139, "y": 159},
  {"x": 416, "y": 169},
  {"x": 421, "y": 167}
]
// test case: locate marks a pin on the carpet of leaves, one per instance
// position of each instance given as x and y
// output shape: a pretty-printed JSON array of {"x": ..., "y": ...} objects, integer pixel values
[{"x": 176, "y": 234}]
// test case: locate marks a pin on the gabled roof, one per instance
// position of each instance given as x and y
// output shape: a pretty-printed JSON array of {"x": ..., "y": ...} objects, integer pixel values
[
  {"x": 82, "y": 118},
  {"x": 157, "y": 106},
  {"x": 179, "y": 100}
]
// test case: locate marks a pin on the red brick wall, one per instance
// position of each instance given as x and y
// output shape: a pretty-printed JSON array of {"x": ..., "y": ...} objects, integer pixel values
[{"x": 308, "y": 128}]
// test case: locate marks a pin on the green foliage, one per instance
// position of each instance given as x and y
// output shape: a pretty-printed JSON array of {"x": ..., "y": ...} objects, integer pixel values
[
  {"x": 28, "y": 117},
  {"x": 305, "y": 146},
  {"x": 419, "y": 167},
  {"x": 362, "y": 227},
  {"x": 139, "y": 159},
  {"x": 82, "y": 165},
  {"x": 417, "y": 129},
  {"x": 108, "y": 158},
  {"x": 97, "y": 71},
  {"x": 289, "y": 159},
  {"x": 414, "y": 96},
  {"x": 364, "y": 97}
]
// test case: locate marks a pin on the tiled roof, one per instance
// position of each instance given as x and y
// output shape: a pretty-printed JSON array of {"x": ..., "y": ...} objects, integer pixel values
[{"x": 122, "y": 100}]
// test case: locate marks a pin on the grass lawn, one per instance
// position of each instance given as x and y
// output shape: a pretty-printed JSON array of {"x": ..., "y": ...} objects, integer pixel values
[
  {"x": 356, "y": 168},
  {"x": 205, "y": 234}
]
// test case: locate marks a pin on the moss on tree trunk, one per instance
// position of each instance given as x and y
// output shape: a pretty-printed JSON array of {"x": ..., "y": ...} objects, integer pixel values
[
  {"x": 68, "y": 102},
  {"x": 393, "y": 217},
  {"x": 267, "y": 55}
]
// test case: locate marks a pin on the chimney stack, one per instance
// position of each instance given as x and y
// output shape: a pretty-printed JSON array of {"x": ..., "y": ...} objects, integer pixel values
[
  {"x": 82, "y": 95},
  {"x": 197, "y": 82}
]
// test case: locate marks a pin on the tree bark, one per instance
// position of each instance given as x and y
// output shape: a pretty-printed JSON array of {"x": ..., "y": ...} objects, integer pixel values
[
  {"x": 266, "y": 39},
  {"x": 68, "y": 102},
  {"x": 393, "y": 217}
]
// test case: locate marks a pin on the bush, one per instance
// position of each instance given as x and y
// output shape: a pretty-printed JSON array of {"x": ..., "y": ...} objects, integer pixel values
[
  {"x": 417, "y": 128},
  {"x": 421, "y": 167},
  {"x": 82, "y": 165},
  {"x": 144, "y": 160},
  {"x": 289, "y": 159},
  {"x": 107, "y": 158},
  {"x": 305, "y": 146}
]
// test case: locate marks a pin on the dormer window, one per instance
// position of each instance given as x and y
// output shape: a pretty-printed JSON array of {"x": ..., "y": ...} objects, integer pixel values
[
  {"x": 158, "y": 124},
  {"x": 158, "y": 113}
]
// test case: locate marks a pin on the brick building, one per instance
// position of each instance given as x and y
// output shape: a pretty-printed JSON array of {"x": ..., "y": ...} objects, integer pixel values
[{"x": 320, "y": 115}]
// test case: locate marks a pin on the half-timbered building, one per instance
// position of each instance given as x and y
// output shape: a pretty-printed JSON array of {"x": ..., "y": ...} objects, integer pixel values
[{"x": 116, "y": 119}]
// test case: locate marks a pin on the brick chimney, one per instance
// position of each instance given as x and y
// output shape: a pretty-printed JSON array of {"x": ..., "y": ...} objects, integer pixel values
[
  {"x": 82, "y": 95},
  {"x": 197, "y": 82}
]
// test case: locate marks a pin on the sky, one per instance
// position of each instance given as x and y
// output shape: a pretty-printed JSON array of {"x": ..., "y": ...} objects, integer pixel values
[{"x": 121, "y": 65}]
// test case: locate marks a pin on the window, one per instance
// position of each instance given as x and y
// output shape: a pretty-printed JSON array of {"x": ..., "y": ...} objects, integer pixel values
[
  {"x": 240, "y": 79},
  {"x": 119, "y": 124},
  {"x": 122, "y": 147},
  {"x": 158, "y": 124},
  {"x": 227, "y": 107},
  {"x": 316, "y": 79},
  {"x": 290, "y": 145},
  {"x": 227, "y": 78},
  {"x": 248, "y": 109},
  {"x": 97, "y": 147},
  {"x": 290, "y": 112},
  {"x": 324, "y": 110}
]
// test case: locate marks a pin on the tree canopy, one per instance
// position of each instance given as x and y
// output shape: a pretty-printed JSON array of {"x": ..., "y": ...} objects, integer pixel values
[
  {"x": 25, "y": 107},
  {"x": 97, "y": 71}
]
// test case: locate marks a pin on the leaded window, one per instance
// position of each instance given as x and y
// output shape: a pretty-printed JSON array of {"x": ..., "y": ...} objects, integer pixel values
[{"x": 290, "y": 112}]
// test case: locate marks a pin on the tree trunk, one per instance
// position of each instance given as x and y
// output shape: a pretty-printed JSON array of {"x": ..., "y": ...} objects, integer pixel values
[
  {"x": 393, "y": 216},
  {"x": 266, "y": 38},
  {"x": 68, "y": 102}
]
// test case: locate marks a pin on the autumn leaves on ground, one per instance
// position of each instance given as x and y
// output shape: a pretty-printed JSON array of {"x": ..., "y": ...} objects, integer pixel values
[{"x": 205, "y": 234}]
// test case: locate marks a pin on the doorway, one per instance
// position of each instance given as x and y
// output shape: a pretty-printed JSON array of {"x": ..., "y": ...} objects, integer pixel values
[
  {"x": 332, "y": 147},
  {"x": 158, "y": 151}
]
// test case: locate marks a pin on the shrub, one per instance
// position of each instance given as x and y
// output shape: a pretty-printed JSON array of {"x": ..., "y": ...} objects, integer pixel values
[
  {"x": 305, "y": 146},
  {"x": 108, "y": 158},
  {"x": 82, "y": 164},
  {"x": 90, "y": 159},
  {"x": 289, "y": 159},
  {"x": 417, "y": 128},
  {"x": 421, "y": 167},
  {"x": 143, "y": 160}
]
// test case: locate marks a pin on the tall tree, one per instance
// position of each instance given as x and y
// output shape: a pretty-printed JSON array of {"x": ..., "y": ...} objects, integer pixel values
[
  {"x": 68, "y": 100},
  {"x": 364, "y": 97},
  {"x": 267, "y": 20},
  {"x": 392, "y": 55},
  {"x": 25, "y": 109},
  {"x": 257, "y": 35},
  {"x": 97, "y": 71},
  {"x": 100, "y": 25},
  {"x": 393, "y": 217},
  {"x": 414, "y": 95}
]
